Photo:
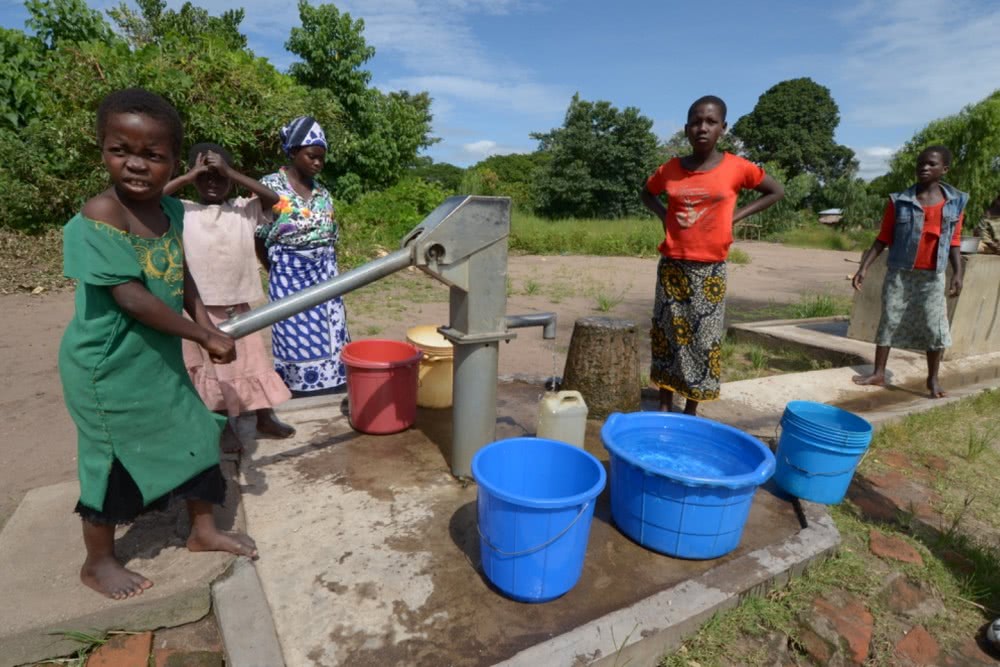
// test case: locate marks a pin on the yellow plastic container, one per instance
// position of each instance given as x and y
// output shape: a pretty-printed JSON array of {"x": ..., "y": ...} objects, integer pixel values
[
  {"x": 434, "y": 386},
  {"x": 562, "y": 415}
]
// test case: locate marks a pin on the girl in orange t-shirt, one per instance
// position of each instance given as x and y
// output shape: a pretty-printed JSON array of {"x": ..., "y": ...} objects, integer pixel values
[{"x": 688, "y": 315}]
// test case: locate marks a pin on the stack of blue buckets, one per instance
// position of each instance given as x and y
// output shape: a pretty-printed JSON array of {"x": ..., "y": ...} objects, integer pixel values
[{"x": 819, "y": 448}]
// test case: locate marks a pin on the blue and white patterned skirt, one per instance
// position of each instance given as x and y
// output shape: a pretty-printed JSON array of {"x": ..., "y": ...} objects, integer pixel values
[{"x": 307, "y": 346}]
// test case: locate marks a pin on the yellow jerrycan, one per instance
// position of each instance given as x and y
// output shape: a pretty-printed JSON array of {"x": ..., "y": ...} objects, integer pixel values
[{"x": 562, "y": 415}]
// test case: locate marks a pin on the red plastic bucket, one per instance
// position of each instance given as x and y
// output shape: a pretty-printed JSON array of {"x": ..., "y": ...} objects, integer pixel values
[{"x": 381, "y": 384}]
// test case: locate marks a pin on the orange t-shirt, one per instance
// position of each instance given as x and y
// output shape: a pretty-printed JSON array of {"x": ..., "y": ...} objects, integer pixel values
[
  {"x": 700, "y": 206},
  {"x": 927, "y": 248}
]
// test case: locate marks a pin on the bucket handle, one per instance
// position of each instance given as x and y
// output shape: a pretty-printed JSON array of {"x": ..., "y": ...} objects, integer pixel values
[
  {"x": 548, "y": 542},
  {"x": 809, "y": 473}
]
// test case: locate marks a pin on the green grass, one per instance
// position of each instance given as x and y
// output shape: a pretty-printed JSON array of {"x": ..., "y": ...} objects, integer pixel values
[
  {"x": 970, "y": 594},
  {"x": 639, "y": 237},
  {"x": 531, "y": 287},
  {"x": 745, "y": 361},
  {"x": 821, "y": 305},
  {"x": 89, "y": 642},
  {"x": 815, "y": 235},
  {"x": 607, "y": 302},
  {"x": 632, "y": 237},
  {"x": 737, "y": 256},
  {"x": 960, "y": 433},
  {"x": 809, "y": 305}
]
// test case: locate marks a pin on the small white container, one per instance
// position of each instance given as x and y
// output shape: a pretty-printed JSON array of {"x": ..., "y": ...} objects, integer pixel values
[{"x": 562, "y": 415}]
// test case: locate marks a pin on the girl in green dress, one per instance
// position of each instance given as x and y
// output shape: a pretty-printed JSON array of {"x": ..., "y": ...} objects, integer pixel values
[{"x": 144, "y": 436}]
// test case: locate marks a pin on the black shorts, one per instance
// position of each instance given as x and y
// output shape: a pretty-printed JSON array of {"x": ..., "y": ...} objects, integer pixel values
[{"x": 123, "y": 500}]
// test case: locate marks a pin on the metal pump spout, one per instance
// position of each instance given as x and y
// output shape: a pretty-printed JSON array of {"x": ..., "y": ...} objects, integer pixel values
[{"x": 545, "y": 320}]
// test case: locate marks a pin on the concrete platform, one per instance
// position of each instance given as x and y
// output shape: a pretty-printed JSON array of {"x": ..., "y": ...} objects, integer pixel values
[
  {"x": 41, "y": 550},
  {"x": 370, "y": 556}
]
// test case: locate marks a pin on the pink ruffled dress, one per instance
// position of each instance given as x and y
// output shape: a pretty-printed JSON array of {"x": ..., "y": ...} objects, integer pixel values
[{"x": 219, "y": 249}]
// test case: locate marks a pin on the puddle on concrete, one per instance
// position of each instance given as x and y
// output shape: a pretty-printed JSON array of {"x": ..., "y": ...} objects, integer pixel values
[{"x": 915, "y": 390}]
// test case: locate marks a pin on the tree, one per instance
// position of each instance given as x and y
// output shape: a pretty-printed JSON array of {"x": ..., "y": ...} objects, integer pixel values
[
  {"x": 447, "y": 176},
  {"x": 51, "y": 164},
  {"x": 55, "y": 21},
  {"x": 19, "y": 56},
  {"x": 861, "y": 203},
  {"x": 513, "y": 176},
  {"x": 793, "y": 125},
  {"x": 382, "y": 132},
  {"x": 678, "y": 145},
  {"x": 973, "y": 135},
  {"x": 597, "y": 161},
  {"x": 153, "y": 23},
  {"x": 333, "y": 50}
]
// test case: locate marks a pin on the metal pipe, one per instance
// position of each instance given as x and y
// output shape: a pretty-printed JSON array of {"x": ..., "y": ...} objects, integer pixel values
[
  {"x": 474, "y": 411},
  {"x": 545, "y": 320},
  {"x": 266, "y": 315}
]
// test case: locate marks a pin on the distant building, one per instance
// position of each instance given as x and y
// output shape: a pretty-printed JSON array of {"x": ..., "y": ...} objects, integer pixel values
[{"x": 831, "y": 216}]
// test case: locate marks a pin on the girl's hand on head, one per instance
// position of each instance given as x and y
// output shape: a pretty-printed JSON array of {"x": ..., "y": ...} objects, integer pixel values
[
  {"x": 221, "y": 348},
  {"x": 199, "y": 165},
  {"x": 214, "y": 161}
]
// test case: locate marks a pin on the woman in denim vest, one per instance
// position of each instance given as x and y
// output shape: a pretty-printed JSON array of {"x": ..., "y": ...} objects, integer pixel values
[{"x": 922, "y": 228}]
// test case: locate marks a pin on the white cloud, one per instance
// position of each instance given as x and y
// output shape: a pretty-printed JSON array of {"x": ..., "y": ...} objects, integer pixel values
[
  {"x": 520, "y": 96},
  {"x": 873, "y": 160},
  {"x": 478, "y": 150},
  {"x": 917, "y": 60},
  {"x": 433, "y": 46}
]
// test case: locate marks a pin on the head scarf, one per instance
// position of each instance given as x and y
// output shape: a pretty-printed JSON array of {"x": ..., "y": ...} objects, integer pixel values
[{"x": 303, "y": 131}]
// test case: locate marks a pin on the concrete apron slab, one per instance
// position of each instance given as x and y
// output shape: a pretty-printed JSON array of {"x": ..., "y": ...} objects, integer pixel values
[
  {"x": 370, "y": 556},
  {"x": 41, "y": 551}
]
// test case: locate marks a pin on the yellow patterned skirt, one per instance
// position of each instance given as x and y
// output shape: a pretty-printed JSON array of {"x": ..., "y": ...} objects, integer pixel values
[{"x": 687, "y": 327}]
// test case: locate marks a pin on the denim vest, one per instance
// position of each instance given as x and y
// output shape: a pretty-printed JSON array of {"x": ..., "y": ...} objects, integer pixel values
[{"x": 910, "y": 226}]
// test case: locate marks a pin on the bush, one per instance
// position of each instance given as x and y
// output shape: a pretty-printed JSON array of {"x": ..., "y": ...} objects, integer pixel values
[
  {"x": 787, "y": 213},
  {"x": 379, "y": 220}
]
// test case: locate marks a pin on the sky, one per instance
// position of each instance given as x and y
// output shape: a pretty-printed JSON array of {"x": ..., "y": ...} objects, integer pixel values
[{"x": 498, "y": 70}]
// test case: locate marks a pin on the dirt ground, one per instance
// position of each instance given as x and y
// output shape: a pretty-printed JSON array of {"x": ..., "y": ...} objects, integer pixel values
[{"x": 38, "y": 438}]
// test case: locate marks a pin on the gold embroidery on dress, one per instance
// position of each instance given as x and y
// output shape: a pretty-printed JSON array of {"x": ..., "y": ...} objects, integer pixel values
[{"x": 162, "y": 258}]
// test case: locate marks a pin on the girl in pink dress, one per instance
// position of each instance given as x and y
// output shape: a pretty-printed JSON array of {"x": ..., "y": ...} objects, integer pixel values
[{"x": 219, "y": 247}]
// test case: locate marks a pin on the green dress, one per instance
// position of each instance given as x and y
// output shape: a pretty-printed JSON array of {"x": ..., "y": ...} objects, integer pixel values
[{"x": 124, "y": 383}]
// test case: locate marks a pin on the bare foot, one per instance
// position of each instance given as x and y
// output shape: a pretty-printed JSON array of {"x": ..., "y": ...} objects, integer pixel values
[
  {"x": 876, "y": 379},
  {"x": 110, "y": 578},
  {"x": 229, "y": 442},
  {"x": 269, "y": 424},
  {"x": 234, "y": 543},
  {"x": 935, "y": 389}
]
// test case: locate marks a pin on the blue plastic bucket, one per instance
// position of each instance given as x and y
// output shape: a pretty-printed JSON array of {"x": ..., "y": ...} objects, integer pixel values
[
  {"x": 819, "y": 448},
  {"x": 682, "y": 485},
  {"x": 828, "y": 424},
  {"x": 536, "y": 499}
]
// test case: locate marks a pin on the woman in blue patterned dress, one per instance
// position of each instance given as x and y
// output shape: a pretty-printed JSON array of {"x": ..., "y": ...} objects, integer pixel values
[{"x": 297, "y": 249}]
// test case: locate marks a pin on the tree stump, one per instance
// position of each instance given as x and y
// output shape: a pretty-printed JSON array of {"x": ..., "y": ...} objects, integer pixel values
[{"x": 603, "y": 365}]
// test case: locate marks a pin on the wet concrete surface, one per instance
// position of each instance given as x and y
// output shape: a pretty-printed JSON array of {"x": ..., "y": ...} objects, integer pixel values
[{"x": 370, "y": 552}]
